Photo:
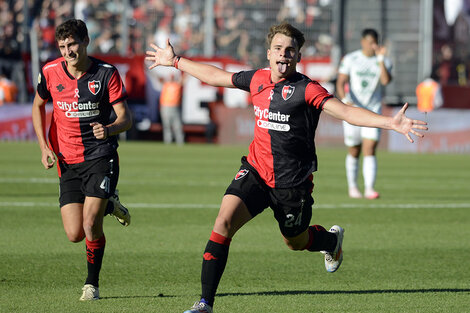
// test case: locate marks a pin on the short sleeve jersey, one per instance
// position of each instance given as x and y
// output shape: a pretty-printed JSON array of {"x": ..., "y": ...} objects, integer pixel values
[
  {"x": 365, "y": 89},
  {"x": 286, "y": 117},
  {"x": 76, "y": 104}
]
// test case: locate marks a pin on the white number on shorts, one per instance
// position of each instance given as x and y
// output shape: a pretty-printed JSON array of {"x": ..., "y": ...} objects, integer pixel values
[
  {"x": 105, "y": 184},
  {"x": 290, "y": 220}
]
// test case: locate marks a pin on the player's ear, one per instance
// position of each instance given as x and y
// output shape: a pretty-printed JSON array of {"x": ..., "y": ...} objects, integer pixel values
[
  {"x": 268, "y": 54},
  {"x": 86, "y": 41},
  {"x": 299, "y": 57}
]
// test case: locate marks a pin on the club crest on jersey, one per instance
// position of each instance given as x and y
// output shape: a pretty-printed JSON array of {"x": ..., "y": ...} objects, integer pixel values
[
  {"x": 241, "y": 174},
  {"x": 287, "y": 92},
  {"x": 94, "y": 86}
]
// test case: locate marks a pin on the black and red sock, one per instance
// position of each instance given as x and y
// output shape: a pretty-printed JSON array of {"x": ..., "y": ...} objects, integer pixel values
[
  {"x": 213, "y": 265},
  {"x": 94, "y": 255},
  {"x": 320, "y": 239}
]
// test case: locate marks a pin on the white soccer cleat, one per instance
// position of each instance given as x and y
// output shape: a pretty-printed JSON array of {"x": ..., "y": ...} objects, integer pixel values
[
  {"x": 333, "y": 259},
  {"x": 354, "y": 193},
  {"x": 120, "y": 212},
  {"x": 90, "y": 293},
  {"x": 200, "y": 307}
]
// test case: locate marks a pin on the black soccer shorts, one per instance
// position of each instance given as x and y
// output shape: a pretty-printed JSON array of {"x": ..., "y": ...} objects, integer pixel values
[
  {"x": 292, "y": 207},
  {"x": 93, "y": 178}
]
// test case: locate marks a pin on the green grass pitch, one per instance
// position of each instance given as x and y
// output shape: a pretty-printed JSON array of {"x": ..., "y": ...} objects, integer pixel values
[{"x": 409, "y": 251}]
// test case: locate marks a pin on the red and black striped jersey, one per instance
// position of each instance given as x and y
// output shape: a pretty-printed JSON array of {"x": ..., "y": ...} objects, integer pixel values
[
  {"x": 286, "y": 117},
  {"x": 76, "y": 104}
]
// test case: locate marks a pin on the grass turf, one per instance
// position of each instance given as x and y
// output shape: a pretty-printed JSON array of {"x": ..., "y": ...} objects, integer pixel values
[{"x": 406, "y": 252}]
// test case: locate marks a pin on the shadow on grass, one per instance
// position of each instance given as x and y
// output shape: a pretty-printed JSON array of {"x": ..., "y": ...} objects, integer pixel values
[
  {"x": 161, "y": 295},
  {"x": 333, "y": 292}
]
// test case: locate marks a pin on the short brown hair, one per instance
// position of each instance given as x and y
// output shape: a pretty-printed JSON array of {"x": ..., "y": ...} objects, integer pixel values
[
  {"x": 288, "y": 30},
  {"x": 71, "y": 28}
]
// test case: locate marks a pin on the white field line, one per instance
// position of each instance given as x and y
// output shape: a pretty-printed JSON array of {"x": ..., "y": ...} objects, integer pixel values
[
  {"x": 39, "y": 180},
  {"x": 216, "y": 206},
  {"x": 31, "y": 180}
]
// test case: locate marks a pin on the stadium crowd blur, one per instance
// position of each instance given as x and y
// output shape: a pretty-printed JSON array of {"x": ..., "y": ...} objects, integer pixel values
[
  {"x": 240, "y": 26},
  {"x": 236, "y": 28}
]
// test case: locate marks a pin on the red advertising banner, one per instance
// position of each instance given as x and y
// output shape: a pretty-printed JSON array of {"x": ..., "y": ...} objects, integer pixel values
[
  {"x": 132, "y": 73},
  {"x": 16, "y": 122}
]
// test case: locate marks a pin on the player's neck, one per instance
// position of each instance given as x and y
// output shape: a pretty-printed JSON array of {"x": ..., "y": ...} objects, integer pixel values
[
  {"x": 277, "y": 78},
  {"x": 80, "y": 68}
]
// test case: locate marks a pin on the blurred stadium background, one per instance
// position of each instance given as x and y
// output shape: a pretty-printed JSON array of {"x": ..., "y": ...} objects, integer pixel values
[{"x": 423, "y": 38}]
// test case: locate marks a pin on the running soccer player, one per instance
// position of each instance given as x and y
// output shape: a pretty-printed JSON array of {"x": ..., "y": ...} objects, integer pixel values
[
  {"x": 366, "y": 71},
  {"x": 277, "y": 172},
  {"x": 82, "y": 138}
]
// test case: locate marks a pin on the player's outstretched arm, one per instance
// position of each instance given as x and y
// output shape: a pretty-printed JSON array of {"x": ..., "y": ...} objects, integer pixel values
[
  {"x": 206, "y": 73},
  {"x": 362, "y": 117}
]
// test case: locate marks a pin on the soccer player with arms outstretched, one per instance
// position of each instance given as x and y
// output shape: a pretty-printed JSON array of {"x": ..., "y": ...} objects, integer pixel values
[
  {"x": 277, "y": 172},
  {"x": 82, "y": 138}
]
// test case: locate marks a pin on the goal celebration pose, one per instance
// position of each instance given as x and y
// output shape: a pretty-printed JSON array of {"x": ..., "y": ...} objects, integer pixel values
[
  {"x": 85, "y": 92},
  {"x": 277, "y": 172}
]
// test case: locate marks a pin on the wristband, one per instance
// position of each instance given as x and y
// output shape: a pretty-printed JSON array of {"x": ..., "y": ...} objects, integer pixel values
[
  {"x": 380, "y": 57},
  {"x": 175, "y": 62},
  {"x": 106, "y": 132}
]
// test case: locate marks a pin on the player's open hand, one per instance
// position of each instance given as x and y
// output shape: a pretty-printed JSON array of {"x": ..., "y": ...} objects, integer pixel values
[
  {"x": 99, "y": 130},
  {"x": 404, "y": 125},
  {"x": 161, "y": 56}
]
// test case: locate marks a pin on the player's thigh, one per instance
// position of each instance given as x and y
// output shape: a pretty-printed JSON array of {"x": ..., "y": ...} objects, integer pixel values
[
  {"x": 292, "y": 208},
  {"x": 352, "y": 134},
  {"x": 70, "y": 185},
  {"x": 233, "y": 214},
  {"x": 100, "y": 177},
  {"x": 245, "y": 197},
  {"x": 71, "y": 200}
]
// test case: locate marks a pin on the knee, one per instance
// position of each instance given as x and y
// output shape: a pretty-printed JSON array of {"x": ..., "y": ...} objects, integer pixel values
[
  {"x": 222, "y": 224},
  {"x": 75, "y": 237},
  {"x": 90, "y": 226}
]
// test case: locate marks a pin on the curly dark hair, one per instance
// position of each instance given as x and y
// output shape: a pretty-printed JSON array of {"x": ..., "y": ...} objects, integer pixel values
[{"x": 71, "y": 28}]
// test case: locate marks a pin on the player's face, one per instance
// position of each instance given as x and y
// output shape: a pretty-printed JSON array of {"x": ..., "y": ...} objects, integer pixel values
[
  {"x": 369, "y": 45},
  {"x": 73, "y": 50},
  {"x": 283, "y": 55}
]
